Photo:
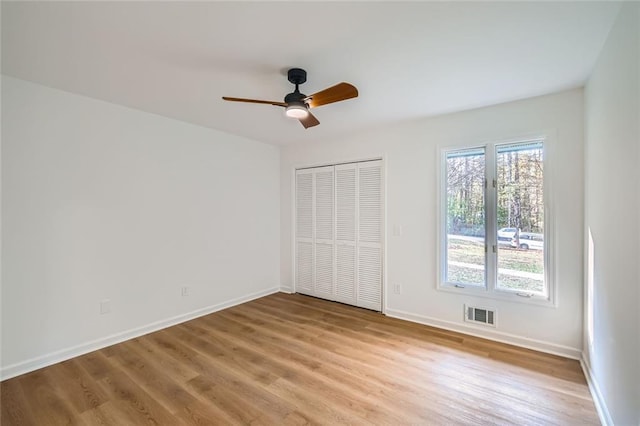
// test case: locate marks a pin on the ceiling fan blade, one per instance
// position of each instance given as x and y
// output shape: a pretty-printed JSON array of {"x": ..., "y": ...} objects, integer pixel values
[
  {"x": 309, "y": 121},
  {"x": 337, "y": 93},
  {"x": 254, "y": 101}
]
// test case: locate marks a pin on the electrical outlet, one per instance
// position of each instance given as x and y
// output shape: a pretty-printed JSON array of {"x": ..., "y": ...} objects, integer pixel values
[
  {"x": 105, "y": 306},
  {"x": 185, "y": 291},
  {"x": 397, "y": 288}
]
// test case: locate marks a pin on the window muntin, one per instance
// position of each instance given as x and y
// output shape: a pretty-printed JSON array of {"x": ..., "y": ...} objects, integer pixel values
[{"x": 494, "y": 219}]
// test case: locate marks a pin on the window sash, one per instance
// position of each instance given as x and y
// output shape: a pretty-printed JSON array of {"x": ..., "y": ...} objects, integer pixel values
[
  {"x": 529, "y": 265},
  {"x": 460, "y": 269}
]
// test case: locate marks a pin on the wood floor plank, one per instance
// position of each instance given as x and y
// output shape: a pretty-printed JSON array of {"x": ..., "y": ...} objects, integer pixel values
[
  {"x": 297, "y": 360},
  {"x": 177, "y": 370},
  {"x": 44, "y": 401},
  {"x": 160, "y": 386},
  {"x": 14, "y": 405},
  {"x": 133, "y": 401},
  {"x": 96, "y": 364},
  {"x": 76, "y": 385},
  {"x": 107, "y": 414}
]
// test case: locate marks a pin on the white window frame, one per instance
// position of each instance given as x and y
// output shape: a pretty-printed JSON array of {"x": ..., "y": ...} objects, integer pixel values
[{"x": 490, "y": 290}]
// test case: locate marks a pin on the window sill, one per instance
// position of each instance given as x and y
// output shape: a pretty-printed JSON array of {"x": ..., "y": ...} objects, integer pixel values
[{"x": 508, "y": 296}]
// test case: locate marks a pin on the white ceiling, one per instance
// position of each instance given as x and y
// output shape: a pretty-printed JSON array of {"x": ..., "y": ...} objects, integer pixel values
[{"x": 408, "y": 60}]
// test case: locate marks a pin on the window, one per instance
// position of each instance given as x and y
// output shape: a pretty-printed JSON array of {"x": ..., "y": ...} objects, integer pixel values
[{"x": 493, "y": 220}]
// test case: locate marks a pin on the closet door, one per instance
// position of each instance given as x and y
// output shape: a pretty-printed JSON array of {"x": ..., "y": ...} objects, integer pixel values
[
  {"x": 324, "y": 241},
  {"x": 304, "y": 262},
  {"x": 346, "y": 220},
  {"x": 369, "y": 237},
  {"x": 338, "y": 253}
]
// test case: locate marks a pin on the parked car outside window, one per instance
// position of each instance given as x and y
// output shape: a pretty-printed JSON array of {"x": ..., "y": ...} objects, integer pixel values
[
  {"x": 505, "y": 235},
  {"x": 528, "y": 240},
  {"x": 507, "y": 232}
]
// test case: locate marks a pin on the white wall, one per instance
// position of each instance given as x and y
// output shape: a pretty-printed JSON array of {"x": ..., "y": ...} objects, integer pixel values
[
  {"x": 411, "y": 152},
  {"x": 105, "y": 202},
  {"x": 612, "y": 200}
]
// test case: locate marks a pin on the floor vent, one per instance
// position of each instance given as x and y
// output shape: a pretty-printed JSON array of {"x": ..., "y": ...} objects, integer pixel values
[{"x": 478, "y": 315}]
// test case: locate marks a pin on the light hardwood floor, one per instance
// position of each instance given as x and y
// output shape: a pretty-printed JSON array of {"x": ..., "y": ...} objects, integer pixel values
[{"x": 292, "y": 359}]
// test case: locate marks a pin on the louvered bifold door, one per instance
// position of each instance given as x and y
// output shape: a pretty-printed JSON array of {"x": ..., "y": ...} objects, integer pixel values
[
  {"x": 304, "y": 232},
  {"x": 369, "y": 237},
  {"x": 346, "y": 215},
  {"x": 324, "y": 243}
]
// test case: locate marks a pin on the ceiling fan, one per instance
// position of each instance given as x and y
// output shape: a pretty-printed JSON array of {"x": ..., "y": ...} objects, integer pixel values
[{"x": 297, "y": 104}]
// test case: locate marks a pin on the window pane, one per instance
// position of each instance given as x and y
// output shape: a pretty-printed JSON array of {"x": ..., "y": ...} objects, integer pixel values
[
  {"x": 465, "y": 225},
  {"x": 520, "y": 217}
]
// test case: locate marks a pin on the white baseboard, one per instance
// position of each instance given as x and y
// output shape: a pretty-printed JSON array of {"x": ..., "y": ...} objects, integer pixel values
[
  {"x": 286, "y": 289},
  {"x": 32, "y": 364},
  {"x": 598, "y": 400},
  {"x": 511, "y": 339}
]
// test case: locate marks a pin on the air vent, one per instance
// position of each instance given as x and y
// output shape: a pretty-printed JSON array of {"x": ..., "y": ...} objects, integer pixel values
[{"x": 479, "y": 315}]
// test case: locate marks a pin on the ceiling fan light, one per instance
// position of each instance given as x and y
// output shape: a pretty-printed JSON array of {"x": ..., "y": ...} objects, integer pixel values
[{"x": 296, "y": 111}]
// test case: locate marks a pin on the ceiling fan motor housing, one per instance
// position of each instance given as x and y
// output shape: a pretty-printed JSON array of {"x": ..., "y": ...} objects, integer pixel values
[
  {"x": 295, "y": 97},
  {"x": 296, "y": 76}
]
